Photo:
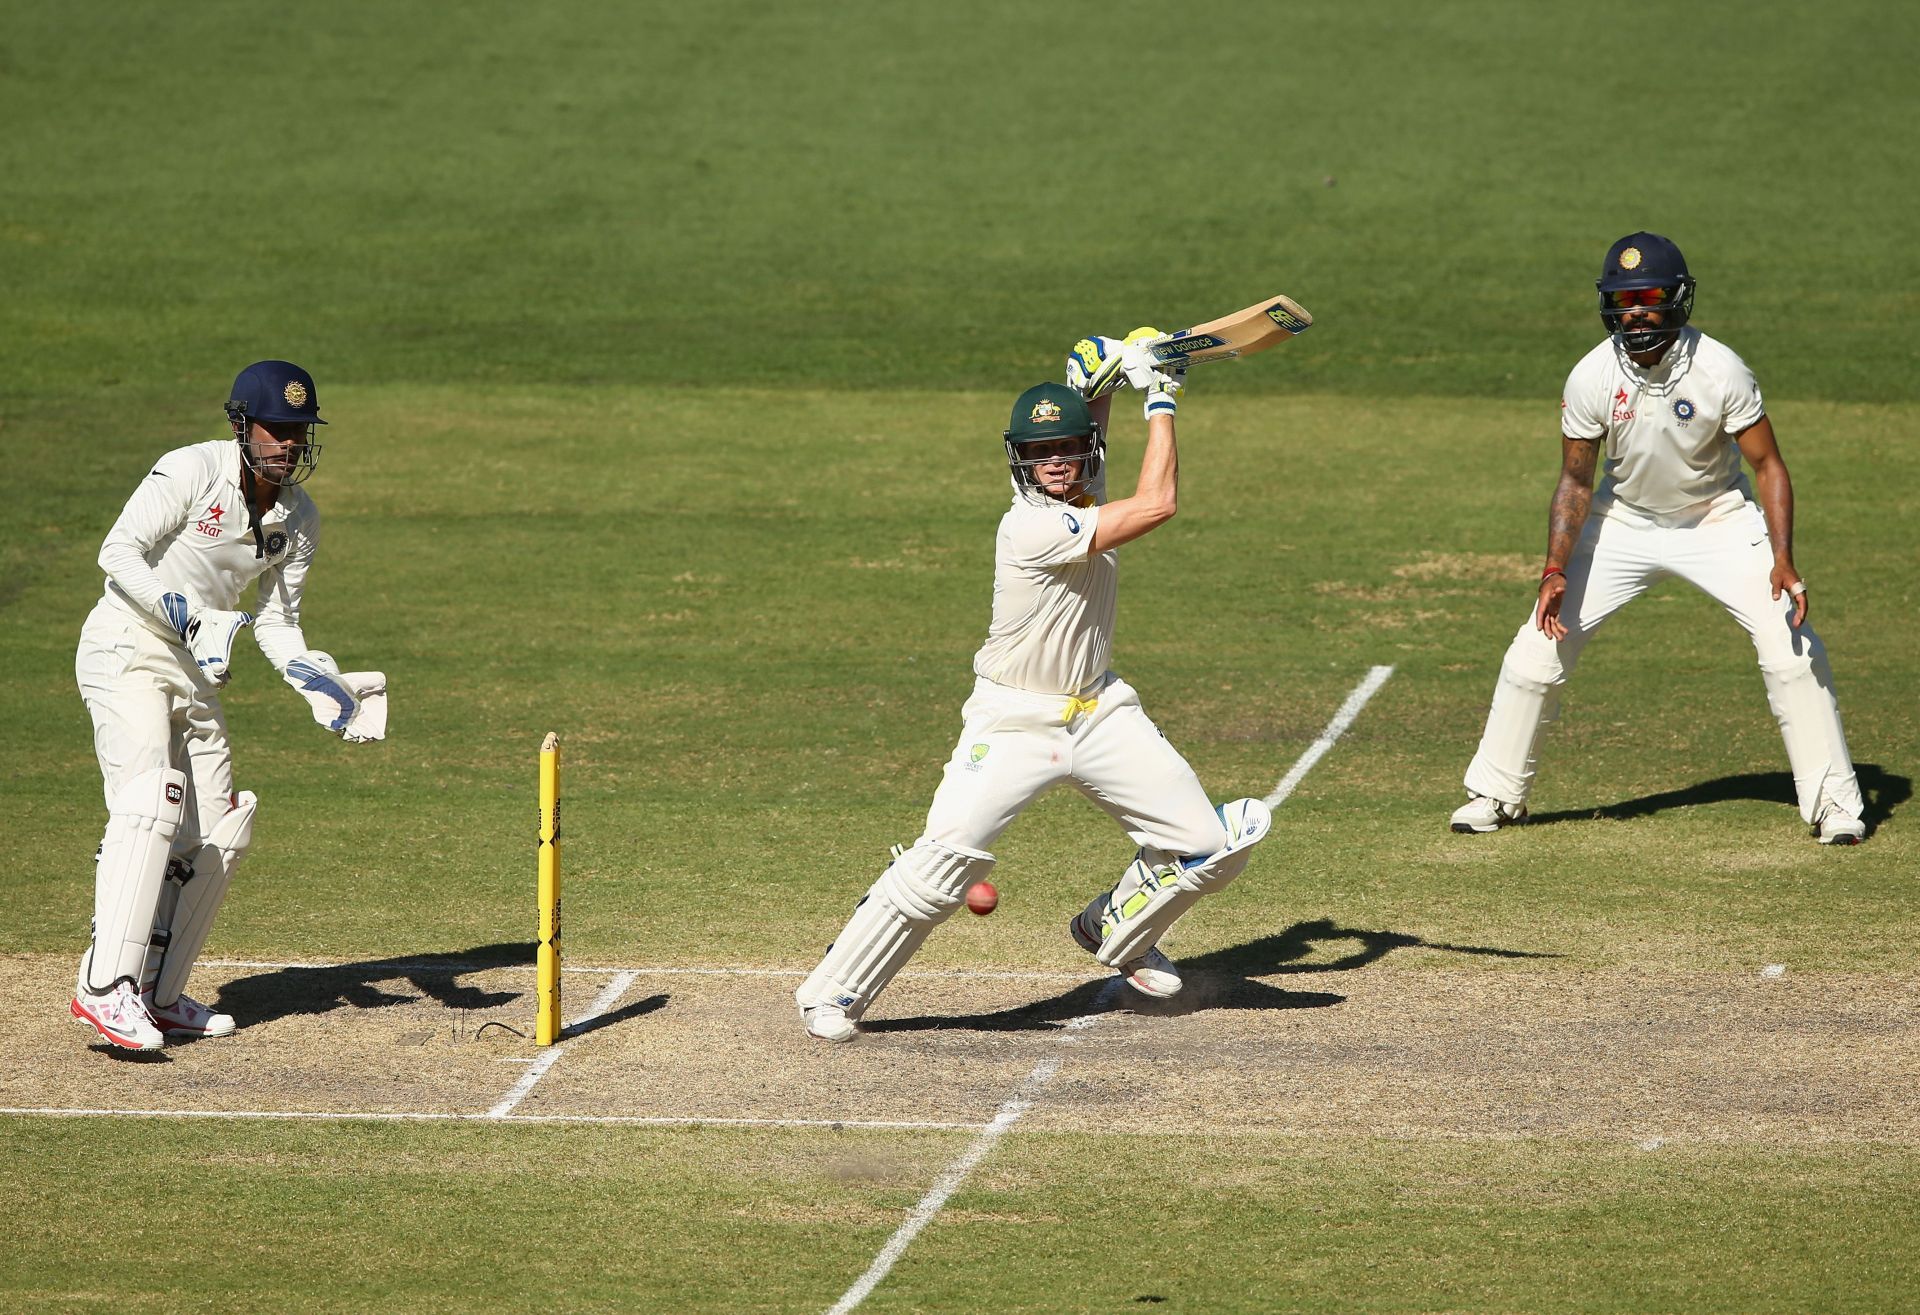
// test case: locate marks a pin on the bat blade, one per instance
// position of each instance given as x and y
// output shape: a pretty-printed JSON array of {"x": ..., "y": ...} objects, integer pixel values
[{"x": 1260, "y": 326}]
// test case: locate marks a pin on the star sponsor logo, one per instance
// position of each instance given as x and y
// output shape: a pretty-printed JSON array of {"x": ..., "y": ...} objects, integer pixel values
[
  {"x": 1622, "y": 406},
  {"x": 209, "y": 523}
]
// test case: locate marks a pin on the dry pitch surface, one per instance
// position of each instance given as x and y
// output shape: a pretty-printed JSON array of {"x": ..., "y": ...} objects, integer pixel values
[{"x": 1372, "y": 1051}]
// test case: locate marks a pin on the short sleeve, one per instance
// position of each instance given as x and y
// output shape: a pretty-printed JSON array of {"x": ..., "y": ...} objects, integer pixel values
[
  {"x": 1580, "y": 414},
  {"x": 1743, "y": 406},
  {"x": 1049, "y": 535}
]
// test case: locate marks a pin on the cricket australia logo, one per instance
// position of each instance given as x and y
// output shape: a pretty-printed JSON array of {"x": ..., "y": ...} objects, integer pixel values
[
  {"x": 1045, "y": 412},
  {"x": 976, "y": 756},
  {"x": 1683, "y": 410}
]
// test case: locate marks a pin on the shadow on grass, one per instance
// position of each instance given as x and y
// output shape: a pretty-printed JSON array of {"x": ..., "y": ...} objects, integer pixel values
[
  {"x": 321, "y": 990},
  {"x": 1882, "y": 790},
  {"x": 1224, "y": 979}
]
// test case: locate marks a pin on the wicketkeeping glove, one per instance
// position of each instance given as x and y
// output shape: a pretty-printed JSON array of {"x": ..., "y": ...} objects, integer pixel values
[
  {"x": 209, "y": 636},
  {"x": 1093, "y": 366},
  {"x": 351, "y": 704}
]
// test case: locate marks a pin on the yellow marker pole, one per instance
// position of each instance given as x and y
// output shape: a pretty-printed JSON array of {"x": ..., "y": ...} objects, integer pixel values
[{"x": 546, "y": 1029}]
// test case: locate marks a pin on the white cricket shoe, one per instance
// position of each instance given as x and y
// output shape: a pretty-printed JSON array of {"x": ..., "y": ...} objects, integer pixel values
[
  {"x": 118, "y": 1016},
  {"x": 1836, "y": 826},
  {"x": 828, "y": 1023},
  {"x": 187, "y": 1017},
  {"x": 1151, "y": 974},
  {"x": 1482, "y": 813}
]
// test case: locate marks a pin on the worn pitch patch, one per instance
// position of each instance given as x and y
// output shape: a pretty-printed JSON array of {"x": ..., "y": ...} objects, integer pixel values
[{"x": 1367, "y": 1051}]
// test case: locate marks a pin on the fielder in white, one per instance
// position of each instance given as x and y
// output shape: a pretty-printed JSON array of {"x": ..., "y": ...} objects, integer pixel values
[
  {"x": 207, "y": 521},
  {"x": 1045, "y": 709},
  {"x": 1675, "y": 411}
]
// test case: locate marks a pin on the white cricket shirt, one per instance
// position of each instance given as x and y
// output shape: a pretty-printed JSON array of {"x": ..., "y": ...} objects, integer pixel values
[
  {"x": 1053, "y": 600},
  {"x": 1669, "y": 429},
  {"x": 187, "y": 530}
]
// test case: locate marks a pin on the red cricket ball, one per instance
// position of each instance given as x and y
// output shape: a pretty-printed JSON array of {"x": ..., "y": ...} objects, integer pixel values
[{"x": 983, "y": 898}]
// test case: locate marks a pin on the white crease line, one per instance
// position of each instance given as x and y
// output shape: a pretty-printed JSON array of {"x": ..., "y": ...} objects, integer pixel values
[
  {"x": 410, "y": 1116},
  {"x": 949, "y": 1182},
  {"x": 398, "y": 966},
  {"x": 1342, "y": 720},
  {"x": 538, "y": 1069},
  {"x": 1023, "y": 1096}
]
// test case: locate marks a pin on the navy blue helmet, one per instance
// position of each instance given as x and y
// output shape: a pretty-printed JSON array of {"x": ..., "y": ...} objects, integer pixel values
[
  {"x": 1645, "y": 270},
  {"x": 276, "y": 393}
]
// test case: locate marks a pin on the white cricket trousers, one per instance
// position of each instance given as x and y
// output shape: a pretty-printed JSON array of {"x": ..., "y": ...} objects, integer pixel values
[
  {"x": 1722, "y": 549},
  {"x": 1015, "y": 745},
  {"x": 152, "y": 709}
]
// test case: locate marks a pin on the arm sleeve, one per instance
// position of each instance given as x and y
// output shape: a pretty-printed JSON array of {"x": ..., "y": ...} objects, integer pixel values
[
  {"x": 156, "y": 512},
  {"x": 1580, "y": 405},
  {"x": 1744, "y": 406},
  {"x": 276, "y": 613},
  {"x": 1052, "y": 535}
]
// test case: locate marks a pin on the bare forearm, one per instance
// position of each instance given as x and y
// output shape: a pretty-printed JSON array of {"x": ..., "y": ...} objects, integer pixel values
[
  {"x": 1160, "y": 466},
  {"x": 1566, "y": 517},
  {"x": 1776, "y": 499}
]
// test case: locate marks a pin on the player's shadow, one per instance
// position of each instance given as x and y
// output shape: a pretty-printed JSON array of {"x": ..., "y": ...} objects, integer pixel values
[
  {"x": 1223, "y": 979},
  {"x": 282, "y": 992},
  {"x": 1882, "y": 792}
]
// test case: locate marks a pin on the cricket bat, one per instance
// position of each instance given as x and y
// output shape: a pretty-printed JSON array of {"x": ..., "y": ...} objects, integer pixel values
[{"x": 1260, "y": 326}]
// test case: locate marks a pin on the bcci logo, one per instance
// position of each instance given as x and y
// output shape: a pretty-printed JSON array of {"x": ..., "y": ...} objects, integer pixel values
[
  {"x": 295, "y": 392},
  {"x": 1682, "y": 410},
  {"x": 1630, "y": 258},
  {"x": 276, "y": 544},
  {"x": 1045, "y": 412}
]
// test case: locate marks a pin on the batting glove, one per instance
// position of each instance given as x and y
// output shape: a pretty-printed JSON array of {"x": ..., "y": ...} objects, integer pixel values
[
  {"x": 1093, "y": 366},
  {"x": 209, "y": 635}
]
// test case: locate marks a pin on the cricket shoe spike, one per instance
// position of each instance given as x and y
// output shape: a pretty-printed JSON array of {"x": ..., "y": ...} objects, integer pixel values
[
  {"x": 1482, "y": 814},
  {"x": 187, "y": 1017},
  {"x": 118, "y": 1016},
  {"x": 1836, "y": 826},
  {"x": 1152, "y": 974},
  {"x": 828, "y": 1023}
]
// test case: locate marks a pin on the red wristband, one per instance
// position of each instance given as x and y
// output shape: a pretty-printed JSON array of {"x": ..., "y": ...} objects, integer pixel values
[{"x": 1551, "y": 570}]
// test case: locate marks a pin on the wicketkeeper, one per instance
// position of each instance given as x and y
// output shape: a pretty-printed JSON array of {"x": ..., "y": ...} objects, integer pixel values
[
  {"x": 207, "y": 521},
  {"x": 1046, "y": 709}
]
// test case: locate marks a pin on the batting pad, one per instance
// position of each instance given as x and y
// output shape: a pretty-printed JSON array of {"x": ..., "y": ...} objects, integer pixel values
[
  {"x": 183, "y": 929},
  {"x": 1150, "y": 897},
  {"x": 141, "y": 825},
  {"x": 919, "y": 890}
]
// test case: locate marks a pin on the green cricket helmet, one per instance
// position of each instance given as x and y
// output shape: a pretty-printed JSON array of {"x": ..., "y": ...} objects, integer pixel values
[{"x": 1050, "y": 411}]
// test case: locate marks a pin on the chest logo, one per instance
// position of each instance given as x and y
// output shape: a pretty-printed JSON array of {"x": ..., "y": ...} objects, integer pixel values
[
  {"x": 1622, "y": 407},
  {"x": 210, "y": 523},
  {"x": 1073, "y": 526},
  {"x": 1683, "y": 410},
  {"x": 276, "y": 544}
]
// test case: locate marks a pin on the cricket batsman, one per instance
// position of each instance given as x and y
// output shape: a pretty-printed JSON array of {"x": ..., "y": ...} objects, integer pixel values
[
  {"x": 207, "y": 521},
  {"x": 1046, "y": 709},
  {"x": 1673, "y": 411}
]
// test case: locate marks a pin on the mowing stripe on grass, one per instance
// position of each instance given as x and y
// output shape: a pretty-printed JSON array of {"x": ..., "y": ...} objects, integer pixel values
[
  {"x": 602, "y": 1002},
  {"x": 431, "y": 1116},
  {"x": 1024, "y": 1095}
]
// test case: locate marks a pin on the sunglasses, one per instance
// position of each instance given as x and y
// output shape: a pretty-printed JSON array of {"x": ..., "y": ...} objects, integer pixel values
[{"x": 1627, "y": 297}]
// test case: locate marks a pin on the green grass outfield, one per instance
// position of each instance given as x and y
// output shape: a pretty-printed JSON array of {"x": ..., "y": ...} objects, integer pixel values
[{"x": 666, "y": 352}]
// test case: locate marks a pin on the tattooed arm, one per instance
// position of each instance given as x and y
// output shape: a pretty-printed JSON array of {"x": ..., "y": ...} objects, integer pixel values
[{"x": 1571, "y": 497}]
